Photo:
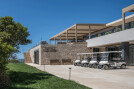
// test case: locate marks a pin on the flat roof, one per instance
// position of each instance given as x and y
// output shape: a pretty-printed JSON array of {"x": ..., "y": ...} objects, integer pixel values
[{"x": 83, "y": 29}]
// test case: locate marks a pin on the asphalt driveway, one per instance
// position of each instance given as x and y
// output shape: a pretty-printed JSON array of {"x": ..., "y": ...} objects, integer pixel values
[{"x": 94, "y": 78}]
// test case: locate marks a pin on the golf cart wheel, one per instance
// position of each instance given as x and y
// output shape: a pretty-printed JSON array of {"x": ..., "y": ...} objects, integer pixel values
[
  {"x": 105, "y": 67},
  {"x": 123, "y": 66},
  {"x": 95, "y": 66},
  {"x": 90, "y": 66},
  {"x": 84, "y": 65},
  {"x": 74, "y": 64},
  {"x": 81, "y": 65},
  {"x": 99, "y": 67}
]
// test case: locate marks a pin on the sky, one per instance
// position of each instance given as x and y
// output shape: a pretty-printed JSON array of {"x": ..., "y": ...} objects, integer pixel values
[{"x": 46, "y": 18}]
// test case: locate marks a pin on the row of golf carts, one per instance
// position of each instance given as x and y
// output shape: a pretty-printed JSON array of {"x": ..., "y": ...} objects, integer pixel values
[{"x": 102, "y": 60}]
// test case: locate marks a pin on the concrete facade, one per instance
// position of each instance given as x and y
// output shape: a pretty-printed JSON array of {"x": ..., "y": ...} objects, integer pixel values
[
  {"x": 31, "y": 52},
  {"x": 114, "y": 38}
]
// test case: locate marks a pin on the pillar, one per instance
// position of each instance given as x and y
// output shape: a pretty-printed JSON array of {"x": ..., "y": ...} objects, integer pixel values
[
  {"x": 89, "y": 32},
  {"x": 67, "y": 36},
  {"x": 76, "y": 33},
  {"x": 125, "y": 52},
  {"x": 123, "y": 21}
]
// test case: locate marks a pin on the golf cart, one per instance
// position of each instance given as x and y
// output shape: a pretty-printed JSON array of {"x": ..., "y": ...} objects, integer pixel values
[
  {"x": 85, "y": 61},
  {"x": 77, "y": 61},
  {"x": 94, "y": 61},
  {"x": 111, "y": 59}
]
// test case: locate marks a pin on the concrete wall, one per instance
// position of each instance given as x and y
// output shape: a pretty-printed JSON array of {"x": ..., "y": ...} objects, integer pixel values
[
  {"x": 31, "y": 52},
  {"x": 118, "y": 37}
]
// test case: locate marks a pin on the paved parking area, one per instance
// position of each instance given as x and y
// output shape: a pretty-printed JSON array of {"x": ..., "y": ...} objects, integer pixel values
[{"x": 94, "y": 78}]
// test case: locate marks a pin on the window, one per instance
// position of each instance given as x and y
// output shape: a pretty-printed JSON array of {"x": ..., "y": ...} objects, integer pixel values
[{"x": 132, "y": 24}]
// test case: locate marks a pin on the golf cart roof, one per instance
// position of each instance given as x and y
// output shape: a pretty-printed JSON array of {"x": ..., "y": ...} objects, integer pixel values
[
  {"x": 83, "y": 53},
  {"x": 99, "y": 52},
  {"x": 108, "y": 52}
]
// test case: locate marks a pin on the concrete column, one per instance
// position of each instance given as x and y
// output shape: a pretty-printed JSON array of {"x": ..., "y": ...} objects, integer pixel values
[
  {"x": 67, "y": 36},
  {"x": 89, "y": 32},
  {"x": 125, "y": 52},
  {"x": 76, "y": 33},
  {"x": 123, "y": 21}
]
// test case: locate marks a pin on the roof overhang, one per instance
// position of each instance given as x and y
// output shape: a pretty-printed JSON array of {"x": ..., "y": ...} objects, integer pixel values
[
  {"x": 82, "y": 30},
  {"x": 128, "y": 9},
  {"x": 118, "y": 22}
]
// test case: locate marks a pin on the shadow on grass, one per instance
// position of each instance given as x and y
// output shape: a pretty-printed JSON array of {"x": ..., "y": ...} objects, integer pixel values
[{"x": 25, "y": 78}]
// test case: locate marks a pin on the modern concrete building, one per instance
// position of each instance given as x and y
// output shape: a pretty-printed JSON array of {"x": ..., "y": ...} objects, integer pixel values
[{"x": 115, "y": 36}]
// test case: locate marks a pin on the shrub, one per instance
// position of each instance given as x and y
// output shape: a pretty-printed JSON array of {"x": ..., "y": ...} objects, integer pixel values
[{"x": 13, "y": 61}]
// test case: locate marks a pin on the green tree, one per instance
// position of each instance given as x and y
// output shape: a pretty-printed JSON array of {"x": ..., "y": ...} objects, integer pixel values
[
  {"x": 18, "y": 34},
  {"x": 12, "y": 35},
  {"x": 5, "y": 51}
]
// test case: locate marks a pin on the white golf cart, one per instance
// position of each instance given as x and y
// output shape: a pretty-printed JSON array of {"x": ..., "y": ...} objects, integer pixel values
[
  {"x": 78, "y": 60},
  {"x": 85, "y": 61},
  {"x": 94, "y": 61},
  {"x": 111, "y": 59}
]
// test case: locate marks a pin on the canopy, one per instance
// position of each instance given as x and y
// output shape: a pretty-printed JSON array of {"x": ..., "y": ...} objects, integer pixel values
[{"x": 79, "y": 31}]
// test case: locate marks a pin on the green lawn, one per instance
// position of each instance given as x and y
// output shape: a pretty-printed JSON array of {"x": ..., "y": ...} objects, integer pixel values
[{"x": 27, "y": 77}]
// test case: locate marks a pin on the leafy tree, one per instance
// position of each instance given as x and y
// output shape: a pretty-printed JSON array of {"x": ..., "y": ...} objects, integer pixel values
[
  {"x": 5, "y": 51},
  {"x": 12, "y": 35},
  {"x": 17, "y": 33}
]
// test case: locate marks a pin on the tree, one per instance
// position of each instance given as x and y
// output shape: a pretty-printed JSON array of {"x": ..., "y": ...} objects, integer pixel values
[
  {"x": 5, "y": 51},
  {"x": 18, "y": 34},
  {"x": 12, "y": 35}
]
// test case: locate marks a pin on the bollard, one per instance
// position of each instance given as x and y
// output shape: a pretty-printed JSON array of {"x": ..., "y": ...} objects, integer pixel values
[
  {"x": 44, "y": 67},
  {"x": 70, "y": 73}
]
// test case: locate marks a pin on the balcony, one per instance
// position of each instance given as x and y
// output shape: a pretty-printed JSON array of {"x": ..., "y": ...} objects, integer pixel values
[{"x": 118, "y": 37}]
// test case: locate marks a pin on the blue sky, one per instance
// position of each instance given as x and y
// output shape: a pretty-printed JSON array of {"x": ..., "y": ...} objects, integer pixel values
[{"x": 45, "y": 18}]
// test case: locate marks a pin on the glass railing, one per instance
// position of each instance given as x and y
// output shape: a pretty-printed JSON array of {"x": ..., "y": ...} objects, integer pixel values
[{"x": 113, "y": 30}]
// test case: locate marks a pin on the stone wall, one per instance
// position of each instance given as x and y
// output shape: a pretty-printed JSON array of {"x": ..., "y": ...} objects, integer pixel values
[
  {"x": 27, "y": 58},
  {"x": 57, "y": 54},
  {"x": 65, "y": 53},
  {"x": 31, "y": 54}
]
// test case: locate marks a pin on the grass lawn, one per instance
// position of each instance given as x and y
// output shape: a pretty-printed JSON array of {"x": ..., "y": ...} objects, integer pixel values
[{"x": 26, "y": 77}]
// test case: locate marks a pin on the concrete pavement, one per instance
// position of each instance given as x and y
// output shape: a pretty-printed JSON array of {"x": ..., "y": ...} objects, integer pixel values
[{"x": 94, "y": 78}]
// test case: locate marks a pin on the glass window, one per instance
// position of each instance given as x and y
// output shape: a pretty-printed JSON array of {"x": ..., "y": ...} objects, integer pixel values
[
  {"x": 127, "y": 25},
  {"x": 119, "y": 28},
  {"x": 132, "y": 24}
]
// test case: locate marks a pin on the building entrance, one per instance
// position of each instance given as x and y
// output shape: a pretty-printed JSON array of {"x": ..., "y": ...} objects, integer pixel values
[{"x": 36, "y": 57}]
